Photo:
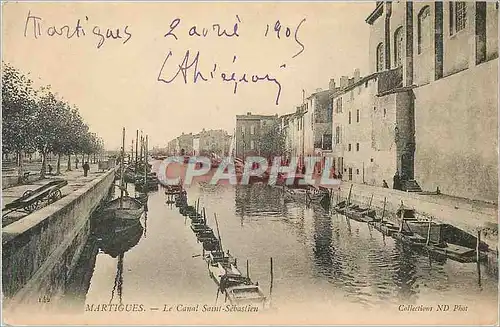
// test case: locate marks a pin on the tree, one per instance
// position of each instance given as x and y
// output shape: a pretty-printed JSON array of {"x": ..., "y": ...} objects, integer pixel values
[
  {"x": 272, "y": 141},
  {"x": 18, "y": 113},
  {"x": 49, "y": 125}
]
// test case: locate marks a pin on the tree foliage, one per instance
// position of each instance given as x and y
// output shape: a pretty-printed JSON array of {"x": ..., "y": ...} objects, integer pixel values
[
  {"x": 272, "y": 140},
  {"x": 37, "y": 119}
]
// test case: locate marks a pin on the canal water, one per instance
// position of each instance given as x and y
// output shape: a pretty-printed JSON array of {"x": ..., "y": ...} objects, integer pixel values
[{"x": 319, "y": 258}]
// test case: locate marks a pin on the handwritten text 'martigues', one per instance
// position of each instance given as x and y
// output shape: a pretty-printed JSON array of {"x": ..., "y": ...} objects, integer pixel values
[{"x": 189, "y": 65}]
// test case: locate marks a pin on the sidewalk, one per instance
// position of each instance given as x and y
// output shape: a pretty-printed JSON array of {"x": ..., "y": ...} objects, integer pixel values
[
  {"x": 75, "y": 180},
  {"x": 465, "y": 214}
]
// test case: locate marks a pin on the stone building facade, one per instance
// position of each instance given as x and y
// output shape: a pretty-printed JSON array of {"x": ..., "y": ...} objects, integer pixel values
[
  {"x": 249, "y": 129},
  {"x": 437, "y": 64}
]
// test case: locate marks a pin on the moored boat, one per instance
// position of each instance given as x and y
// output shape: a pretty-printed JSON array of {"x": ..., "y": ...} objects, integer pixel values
[
  {"x": 123, "y": 208},
  {"x": 246, "y": 294}
]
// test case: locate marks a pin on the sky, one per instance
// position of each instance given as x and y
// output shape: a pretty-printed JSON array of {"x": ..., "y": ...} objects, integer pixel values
[{"x": 122, "y": 64}]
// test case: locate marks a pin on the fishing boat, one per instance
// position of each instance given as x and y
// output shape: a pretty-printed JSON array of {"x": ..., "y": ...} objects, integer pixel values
[
  {"x": 124, "y": 207},
  {"x": 129, "y": 175}
]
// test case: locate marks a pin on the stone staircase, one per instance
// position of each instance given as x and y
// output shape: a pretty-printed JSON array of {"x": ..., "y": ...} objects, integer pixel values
[{"x": 411, "y": 186}]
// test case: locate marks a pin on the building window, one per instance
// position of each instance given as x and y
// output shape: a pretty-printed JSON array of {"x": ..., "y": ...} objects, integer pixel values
[
  {"x": 252, "y": 145},
  {"x": 339, "y": 105},
  {"x": 357, "y": 171},
  {"x": 357, "y": 116},
  {"x": 337, "y": 135},
  {"x": 349, "y": 117},
  {"x": 458, "y": 16},
  {"x": 385, "y": 112},
  {"x": 357, "y": 146},
  {"x": 252, "y": 129},
  {"x": 327, "y": 142},
  {"x": 380, "y": 57},
  {"x": 371, "y": 159},
  {"x": 242, "y": 129},
  {"x": 398, "y": 46},
  {"x": 424, "y": 36},
  {"x": 349, "y": 147}
]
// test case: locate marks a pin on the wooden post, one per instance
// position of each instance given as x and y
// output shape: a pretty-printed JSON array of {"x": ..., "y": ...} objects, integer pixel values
[
  {"x": 383, "y": 211},
  {"x": 428, "y": 232},
  {"x": 248, "y": 270},
  {"x": 477, "y": 245},
  {"x": 478, "y": 257},
  {"x": 402, "y": 217},
  {"x": 272, "y": 281},
  {"x": 349, "y": 196},
  {"x": 370, "y": 204}
]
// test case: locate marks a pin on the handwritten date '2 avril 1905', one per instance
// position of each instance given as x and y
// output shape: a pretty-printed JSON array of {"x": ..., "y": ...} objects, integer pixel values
[{"x": 34, "y": 27}]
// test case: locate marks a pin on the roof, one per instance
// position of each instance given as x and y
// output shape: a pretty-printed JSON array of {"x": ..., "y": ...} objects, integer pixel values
[
  {"x": 376, "y": 13},
  {"x": 253, "y": 117},
  {"x": 324, "y": 92},
  {"x": 353, "y": 85}
]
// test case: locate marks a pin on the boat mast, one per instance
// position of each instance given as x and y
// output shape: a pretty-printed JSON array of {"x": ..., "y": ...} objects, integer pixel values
[
  {"x": 122, "y": 170},
  {"x": 145, "y": 164},
  {"x": 136, "y": 148}
]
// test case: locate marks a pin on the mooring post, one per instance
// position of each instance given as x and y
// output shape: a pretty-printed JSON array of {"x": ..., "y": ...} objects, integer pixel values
[
  {"x": 477, "y": 245},
  {"x": 248, "y": 270}
]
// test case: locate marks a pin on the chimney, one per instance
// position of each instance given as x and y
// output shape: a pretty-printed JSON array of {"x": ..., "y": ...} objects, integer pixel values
[
  {"x": 331, "y": 85},
  {"x": 356, "y": 75},
  {"x": 344, "y": 80}
]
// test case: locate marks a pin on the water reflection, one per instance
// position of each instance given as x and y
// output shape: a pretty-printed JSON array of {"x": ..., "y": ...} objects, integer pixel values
[
  {"x": 321, "y": 254},
  {"x": 259, "y": 200}
]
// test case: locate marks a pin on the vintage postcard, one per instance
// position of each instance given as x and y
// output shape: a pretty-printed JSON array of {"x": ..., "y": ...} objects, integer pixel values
[{"x": 250, "y": 163}]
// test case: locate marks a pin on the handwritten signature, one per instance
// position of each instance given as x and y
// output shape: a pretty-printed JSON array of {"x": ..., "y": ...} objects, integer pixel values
[
  {"x": 34, "y": 27},
  {"x": 190, "y": 72}
]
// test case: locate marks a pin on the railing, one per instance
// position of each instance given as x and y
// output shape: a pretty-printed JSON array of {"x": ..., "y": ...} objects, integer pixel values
[{"x": 390, "y": 79}]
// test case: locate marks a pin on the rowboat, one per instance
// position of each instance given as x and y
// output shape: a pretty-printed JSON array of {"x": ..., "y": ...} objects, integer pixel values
[
  {"x": 308, "y": 194},
  {"x": 359, "y": 213},
  {"x": 246, "y": 294},
  {"x": 385, "y": 227},
  {"x": 206, "y": 235},
  {"x": 172, "y": 189},
  {"x": 142, "y": 198}
]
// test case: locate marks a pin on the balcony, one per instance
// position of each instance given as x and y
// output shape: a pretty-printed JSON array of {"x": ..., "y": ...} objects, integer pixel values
[{"x": 389, "y": 80}]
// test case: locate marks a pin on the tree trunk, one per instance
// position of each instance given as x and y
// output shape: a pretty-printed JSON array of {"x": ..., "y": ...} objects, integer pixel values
[
  {"x": 44, "y": 164},
  {"x": 20, "y": 169},
  {"x": 69, "y": 163},
  {"x": 58, "y": 169}
]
